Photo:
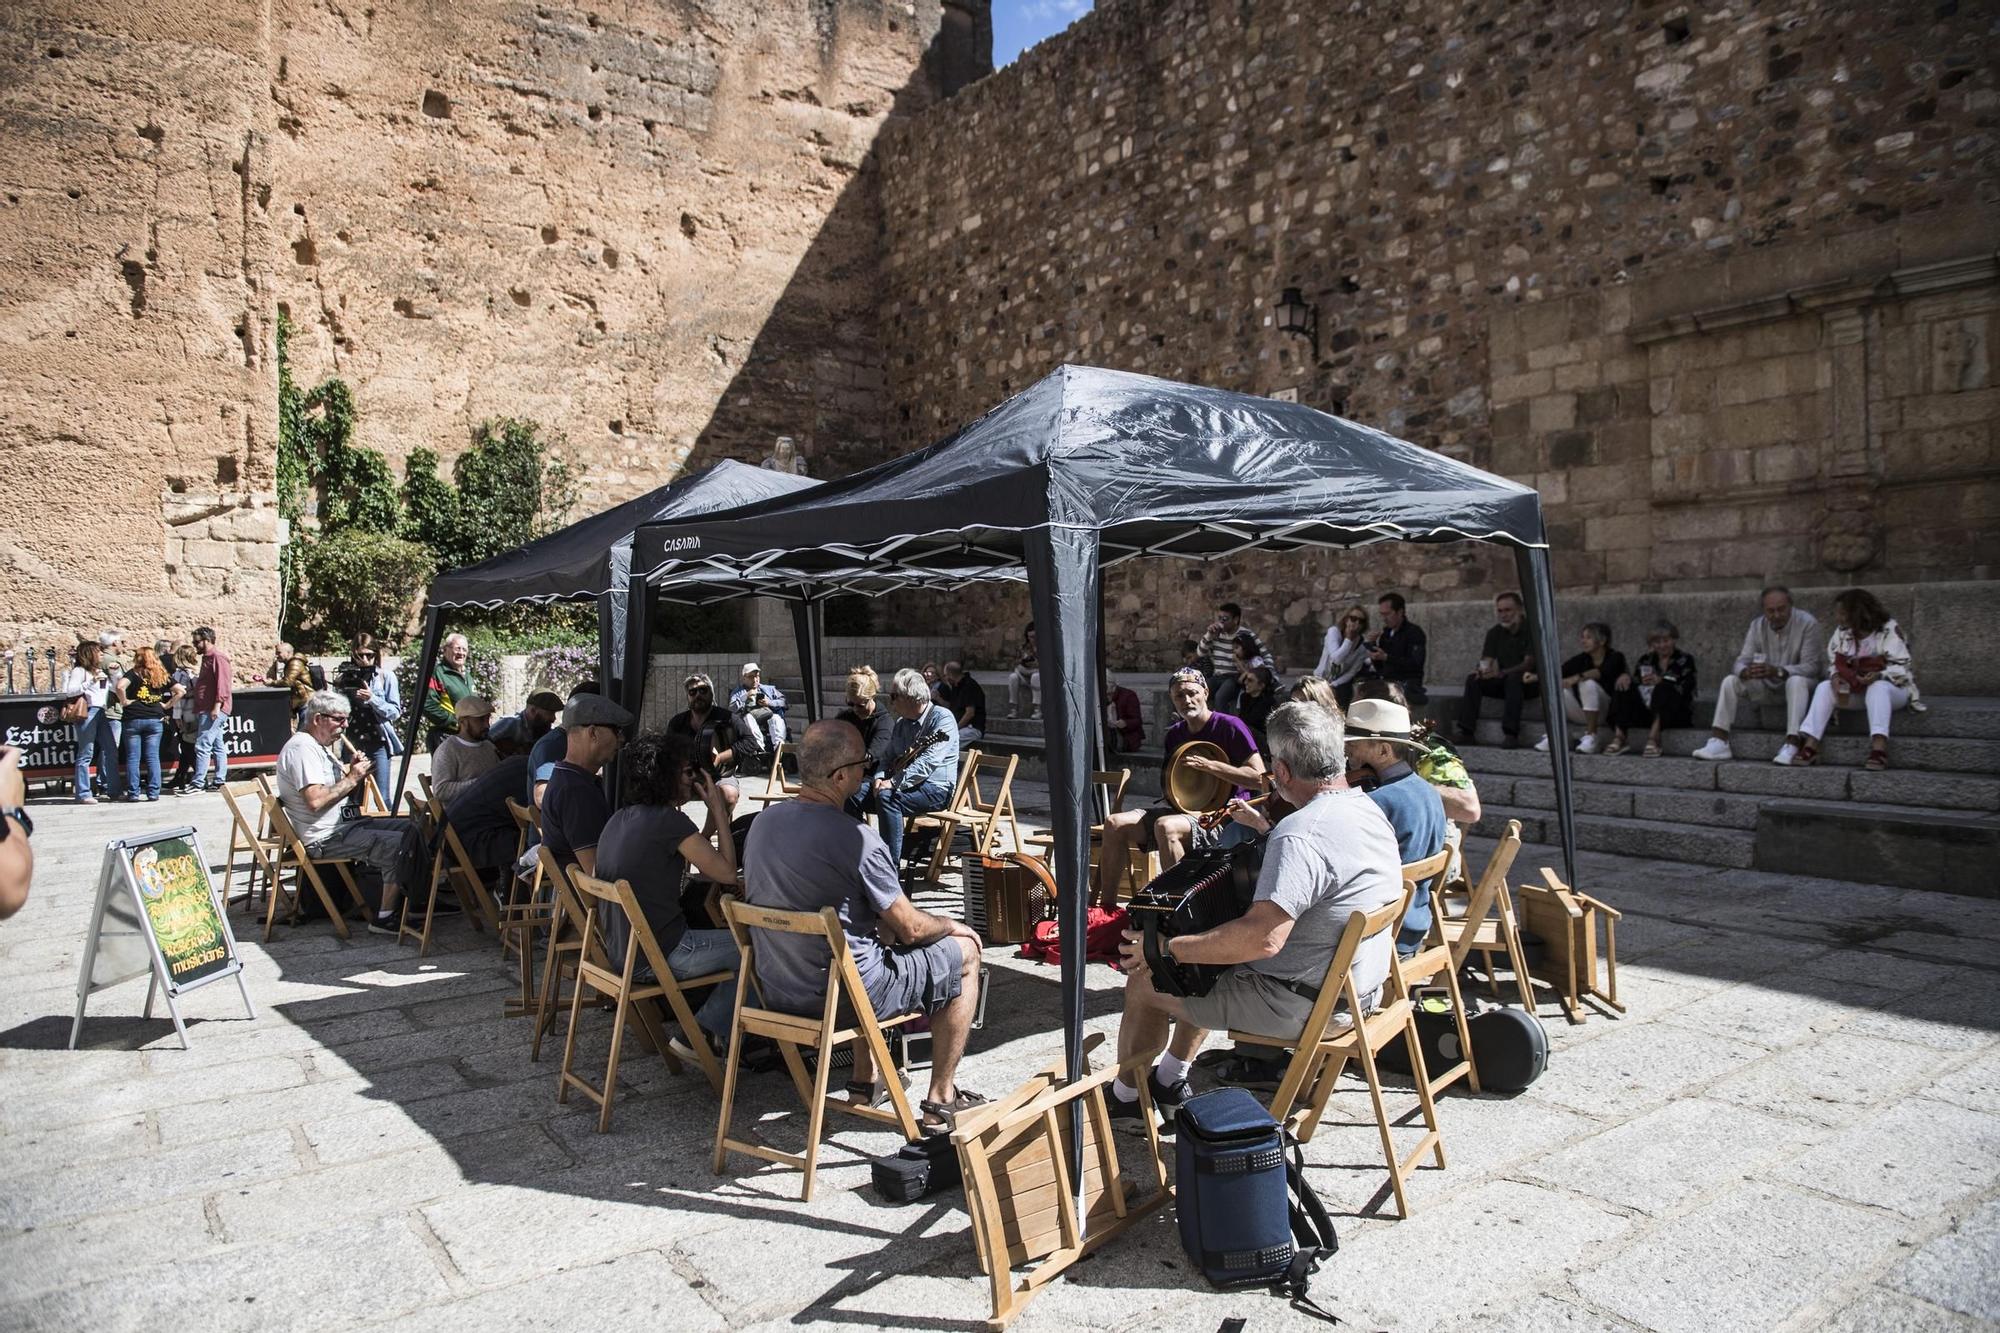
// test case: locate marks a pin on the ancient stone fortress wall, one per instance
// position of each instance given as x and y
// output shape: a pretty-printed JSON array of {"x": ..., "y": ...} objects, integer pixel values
[
  {"x": 138, "y": 404},
  {"x": 1719, "y": 280},
  {"x": 651, "y": 226}
]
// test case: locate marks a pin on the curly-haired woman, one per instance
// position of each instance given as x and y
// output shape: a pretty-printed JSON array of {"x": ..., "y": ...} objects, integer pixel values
[{"x": 148, "y": 692}]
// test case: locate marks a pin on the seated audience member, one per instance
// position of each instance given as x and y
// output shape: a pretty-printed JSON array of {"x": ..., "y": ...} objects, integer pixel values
[
  {"x": 1779, "y": 661},
  {"x": 1379, "y": 746},
  {"x": 1191, "y": 656},
  {"x": 1163, "y": 828},
  {"x": 808, "y": 854},
  {"x": 312, "y": 785},
  {"x": 1587, "y": 679},
  {"x": 933, "y": 678},
  {"x": 1124, "y": 724},
  {"x": 574, "y": 810},
  {"x": 1217, "y": 650},
  {"x": 523, "y": 729},
  {"x": 759, "y": 710},
  {"x": 965, "y": 699},
  {"x": 1024, "y": 684},
  {"x": 1335, "y": 855},
  {"x": 1346, "y": 653},
  {"x": 924, "y": 784},
  {"x": 713, "y": 733},
  {"x": 1505, "y": 659},
  {"x": 550, "y": 749},
  {"x": 1660, "y": 694},
  {"x": 1868, "y": 663},
  {"x": 1438, "y": 764},
  {"x": 867, "y": 715},
  {"x": 1254, "y": 704},
  {"x": 479, "y": 813},
  {"x": 1399, "y": 648},
  {"x": 650, "y": 844},
  {"x": 458, "y": 759}
]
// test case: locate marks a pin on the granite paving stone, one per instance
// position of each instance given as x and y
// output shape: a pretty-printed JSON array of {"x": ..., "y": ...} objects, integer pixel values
[
  {"x": 1662, "y": 1160},
  {"x": 1832, "y": 1080},
  {"x": 1915, "y": 1158},
  {"x": 1957, "y": 1270},
  {"x": 633, "y": 1291}
]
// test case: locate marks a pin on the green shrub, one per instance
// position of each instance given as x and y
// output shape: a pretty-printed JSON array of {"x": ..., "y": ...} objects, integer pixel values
[{"x": 358, "y": 580}]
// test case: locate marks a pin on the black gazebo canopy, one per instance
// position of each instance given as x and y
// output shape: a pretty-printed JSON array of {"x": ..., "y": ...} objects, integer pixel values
[{"x": 1084, "y": 469}]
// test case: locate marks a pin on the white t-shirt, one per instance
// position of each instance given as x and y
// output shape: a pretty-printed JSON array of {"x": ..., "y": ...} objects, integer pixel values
[
  {"x": 1333, "y": 858},
  {"x": 302, "y": 763}
]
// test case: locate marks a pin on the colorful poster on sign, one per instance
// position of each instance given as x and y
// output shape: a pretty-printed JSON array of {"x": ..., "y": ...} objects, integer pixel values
[{"x": 180, "y": 908}]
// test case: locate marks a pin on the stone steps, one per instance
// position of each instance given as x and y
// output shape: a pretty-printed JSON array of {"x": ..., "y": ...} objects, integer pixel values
[
  {"x": 1933, "y": 753},
  {"x": 1627, "y": 836}
]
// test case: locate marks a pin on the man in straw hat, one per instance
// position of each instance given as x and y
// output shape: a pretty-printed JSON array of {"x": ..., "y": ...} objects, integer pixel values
[{"x": 1379, "y": 747}]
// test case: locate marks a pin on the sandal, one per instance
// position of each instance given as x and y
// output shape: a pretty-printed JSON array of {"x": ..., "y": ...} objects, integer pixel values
[
  {"x": 1877, "y": 761},
  {"x": 867, "y": 1094},
  {"x": 1807, "y": 756},
  {"x": 942, "y": 1117},
  {"x": 1652, "y": 750},
  {"x": 1617, "y": 746}
]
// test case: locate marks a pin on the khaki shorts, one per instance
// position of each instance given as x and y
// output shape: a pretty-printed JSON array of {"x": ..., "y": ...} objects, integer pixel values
[{"x": 1247, "y": 1001}]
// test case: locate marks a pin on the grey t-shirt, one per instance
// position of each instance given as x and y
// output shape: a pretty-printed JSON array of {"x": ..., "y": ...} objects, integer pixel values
[
  {"x": 302, "y": 763},
  {"x": 1335, "y": 857},
  {"x": 803, "y": 856}
]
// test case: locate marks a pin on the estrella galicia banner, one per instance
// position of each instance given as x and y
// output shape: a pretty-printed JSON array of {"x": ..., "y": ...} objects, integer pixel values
[{"x": 257, "y": 730}]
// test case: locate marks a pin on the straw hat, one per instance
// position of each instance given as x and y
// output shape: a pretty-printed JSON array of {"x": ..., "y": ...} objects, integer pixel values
[{"x": 1379, "y": 720}]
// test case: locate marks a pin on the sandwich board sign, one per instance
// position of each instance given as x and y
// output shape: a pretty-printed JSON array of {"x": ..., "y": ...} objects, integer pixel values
[{"x": 158, "y": 914}]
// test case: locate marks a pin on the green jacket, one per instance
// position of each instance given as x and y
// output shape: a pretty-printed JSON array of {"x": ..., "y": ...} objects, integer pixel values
[{"x": 441, "y": 695}]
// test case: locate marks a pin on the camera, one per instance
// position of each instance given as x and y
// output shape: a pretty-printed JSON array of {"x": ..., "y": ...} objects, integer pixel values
[{"x": 349, "y": 677}]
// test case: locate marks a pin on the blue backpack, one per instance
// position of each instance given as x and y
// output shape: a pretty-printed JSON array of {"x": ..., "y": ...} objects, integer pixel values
[{"x": 1247, "y": 1215}]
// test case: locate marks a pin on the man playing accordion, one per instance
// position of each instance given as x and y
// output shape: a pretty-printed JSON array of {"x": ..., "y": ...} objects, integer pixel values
[{"x": 1334, "y": 855}]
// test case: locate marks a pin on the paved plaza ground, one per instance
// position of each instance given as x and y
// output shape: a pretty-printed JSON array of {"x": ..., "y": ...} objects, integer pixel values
[{"x": 1797, "y": 1127}]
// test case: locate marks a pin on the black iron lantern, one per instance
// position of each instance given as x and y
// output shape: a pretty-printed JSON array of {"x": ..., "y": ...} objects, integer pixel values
[{"x": 1298, "y": 318}]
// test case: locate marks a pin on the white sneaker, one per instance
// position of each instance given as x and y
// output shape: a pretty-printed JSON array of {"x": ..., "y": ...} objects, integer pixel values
[
  {"x": 1588, "y": 745},
  {"x": 1786, "y": 753},
  {"x": 1543, "y": 743},
  {"x": 1717, "y": 748}
]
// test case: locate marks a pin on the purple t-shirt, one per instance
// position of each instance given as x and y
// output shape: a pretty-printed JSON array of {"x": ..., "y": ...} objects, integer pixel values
[{"x": 1221, "y": 729}]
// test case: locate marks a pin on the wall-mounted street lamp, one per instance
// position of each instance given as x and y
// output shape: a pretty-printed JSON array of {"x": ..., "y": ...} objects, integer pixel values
[{"x": 1296, "y": 317}]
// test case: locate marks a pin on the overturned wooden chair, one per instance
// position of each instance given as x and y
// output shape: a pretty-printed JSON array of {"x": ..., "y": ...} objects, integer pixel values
[
  {"x": 1486, "y": 923},
  {"x": 1567, "y": 921},
  {"x": 794, "y": 1032},
  {"x": 625, "y": 991},
  {"x": 1321, "y": 1050},
  {"x": 980, "y": 817}
]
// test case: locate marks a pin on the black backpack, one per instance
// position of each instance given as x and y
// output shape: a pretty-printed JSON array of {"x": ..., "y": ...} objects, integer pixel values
[{"x": 316, "y": 674}]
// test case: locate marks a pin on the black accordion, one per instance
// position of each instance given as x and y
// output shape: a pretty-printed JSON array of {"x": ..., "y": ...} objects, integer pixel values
[{"x": 1202, "y": 890}]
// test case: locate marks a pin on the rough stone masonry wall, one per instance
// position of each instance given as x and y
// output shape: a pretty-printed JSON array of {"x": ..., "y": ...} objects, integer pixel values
[
  {"x": 651, "y": 226},
  {"x": 138, "y": 403},
  {"x": 1718, "y": 279}
]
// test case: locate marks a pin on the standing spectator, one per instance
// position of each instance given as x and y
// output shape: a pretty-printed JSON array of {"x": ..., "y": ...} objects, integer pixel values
[
  {"x": 1506, "y": 657},
  {"x": 377, "y": 704},
  {"x": 1216, "y": 649},
  {"x": 1124, "y": 725},
  {"x": 290, "y": 671},
  {"x": 1345, "y": 655},
  {"x": 450, "y": 681},
  {"x": 1587, "y": 679},
  {"x": 187, "y": 723},
  {"x": 965, "y": 699},
  {"x": 111, "y": 641},
  {"x": 147, "y": 691},
  {"x": 1662, "y": 695},
  {"x": 1026, "y": 680},
  {"x": 1779, "y": 659},
  {"x": 1399, "y": 648},
  {"x": 460, "y": 759},
  {"x": 759, "y": 710},
  {"x": 92, "y": 735},
  {"x": 1866, "y": 657},
  {"x": 214, "y": 699}
]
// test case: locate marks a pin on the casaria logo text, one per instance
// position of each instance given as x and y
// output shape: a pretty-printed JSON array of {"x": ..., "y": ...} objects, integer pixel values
[{"x": 681, "y": 544}]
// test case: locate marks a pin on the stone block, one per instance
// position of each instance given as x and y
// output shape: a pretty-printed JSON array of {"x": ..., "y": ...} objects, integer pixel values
[
  {"x": 1975, "y": 1086},
  {"x": 1916, "y": 1158},
  {"x": 1579, "y": 375},
  {"x": 1917, "y": 849},
  {"x": 54, "y": 1258},
  {"x": 1832, "y": 1080},
  {"x": 1638, "y": 1067},
  {"x": 1556, "y": 411},
  {"x": 642, "y": 1290},
  {"x": 1658, "y": 1161},
  {"x": 1761, "y": 1252},
  {"x": 1708, "y": 809},
  {"x": 1514, "y": 388}
]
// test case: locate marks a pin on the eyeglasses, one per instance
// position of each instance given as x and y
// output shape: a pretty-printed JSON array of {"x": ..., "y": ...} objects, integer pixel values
[
  {"x": 852, "y": 763},
  {"x": 364, "y": 657},
  {"x": 338, "y": 719}
]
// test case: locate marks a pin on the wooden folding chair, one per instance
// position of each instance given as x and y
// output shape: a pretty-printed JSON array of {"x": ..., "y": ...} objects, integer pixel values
[
  {"x": 564, "y": 948},
  {"x": 451, "y": 865},
  {"x": 1567, "y": 922},
  {"x": 1109, "y": 788},
  {"x": 625, "y": 992},
  {"x": 371, "y": 799},
  {"x": 793, "y": 1031},
  {"x": 777, "y": 787},
  {"x": 1433, "y": 960},
  {"x": 1018, "y": 1188},
  {"x": 525, "y": 910},
  {"x": 1321, "y": 1051},
  {"x": 981, "y": 819},
  {"x": 1488, "y": 925},
  {"x": 252, "y": 835},
  {"x": 304, "y": 865}
]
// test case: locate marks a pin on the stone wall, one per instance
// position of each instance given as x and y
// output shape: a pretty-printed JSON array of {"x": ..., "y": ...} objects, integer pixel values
[
  {"x": 1718, "y": 281},
  {"x": 140, "y": 402}
]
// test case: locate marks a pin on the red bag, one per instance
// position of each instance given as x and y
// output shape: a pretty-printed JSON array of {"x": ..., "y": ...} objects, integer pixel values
[{"x": 1103, "y": 934}]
